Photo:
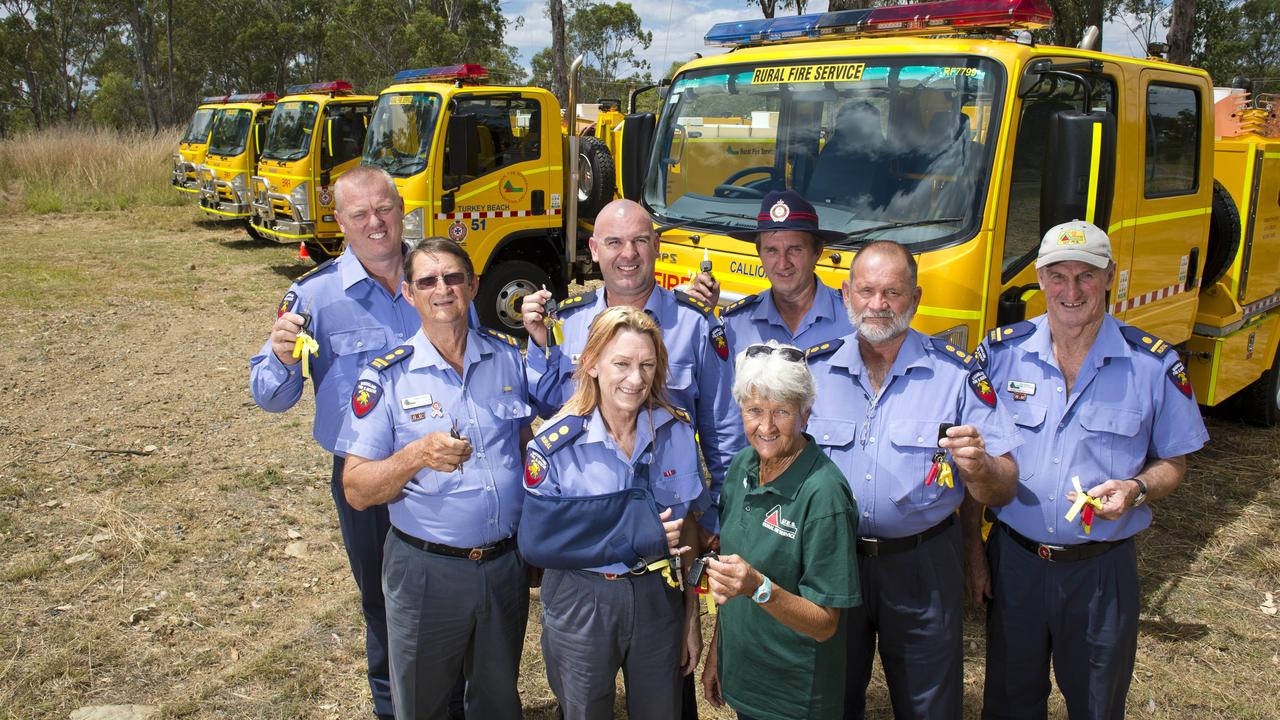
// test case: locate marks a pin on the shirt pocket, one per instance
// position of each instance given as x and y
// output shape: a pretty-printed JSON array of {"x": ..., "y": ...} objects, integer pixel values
[
  {"x": 1029, "y": 417},
  {"x": 357, "y": 340},
  {"x": 428, "y": 481},
  {"x": 679, "y": 489},
  {"x": 914, "y": 442},
  {"x": 680, "y": 384},
  {"x": 1113, "y": 445},
  {"x": 833, "y": 433}
]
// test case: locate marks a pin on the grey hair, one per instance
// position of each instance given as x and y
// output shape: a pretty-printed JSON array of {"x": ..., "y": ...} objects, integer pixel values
[
  {"x": 361, "y": 174},
  {"x": 773, "y": 378}
]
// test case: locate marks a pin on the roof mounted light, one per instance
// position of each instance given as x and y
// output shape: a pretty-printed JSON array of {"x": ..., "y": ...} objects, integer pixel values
[
  {"x": 931, "y": 18},
  {"x": 333, "y": 87},
  {"x": 467, "y": 72},
  {"x": 267, "y": 97},
  {"x": 214, "y": 100}
]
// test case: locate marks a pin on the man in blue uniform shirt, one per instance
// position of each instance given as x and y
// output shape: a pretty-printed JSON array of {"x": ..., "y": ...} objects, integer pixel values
[
  {"x": 457, "y": 595},
  {"x": 700, "y": 374},
  {"x": 913, "y": 425},
  {"x": 356, "y": 313},
  {"x": 1104, "y": 409},
  {"x": 797, "y": 309}
]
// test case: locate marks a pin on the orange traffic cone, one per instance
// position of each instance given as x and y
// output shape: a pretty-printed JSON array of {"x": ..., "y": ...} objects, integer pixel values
[{"x": 302, "y": 251}]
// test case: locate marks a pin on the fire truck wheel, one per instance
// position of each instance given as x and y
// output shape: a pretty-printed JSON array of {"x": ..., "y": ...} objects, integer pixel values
[
  {"x": 1224, "y": 236},
  {"x": 595, "y": 176},
  {"x": 502, "y": 289},
  {"x": 253, "y": 232},
  {"x": 322, "y": 251},
  {"x": 1260, "y": 402}
]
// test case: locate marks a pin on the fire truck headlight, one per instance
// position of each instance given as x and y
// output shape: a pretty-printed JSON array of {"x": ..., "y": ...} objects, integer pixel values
[
  {"x": 413, "y": 225},
  {"x": 301, "y": 199}
]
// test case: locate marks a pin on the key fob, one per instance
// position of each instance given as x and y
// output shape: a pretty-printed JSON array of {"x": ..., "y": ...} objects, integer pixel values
[
  {"x": 943, "y": 428},
  {"x": 306, "y": 321}
]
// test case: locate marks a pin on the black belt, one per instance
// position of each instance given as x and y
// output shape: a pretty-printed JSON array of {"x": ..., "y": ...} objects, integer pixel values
[
  {"x": 479, "y": 554},
  {"x": 871, "y": 547},
  {"x": 1061, "y": 553}
]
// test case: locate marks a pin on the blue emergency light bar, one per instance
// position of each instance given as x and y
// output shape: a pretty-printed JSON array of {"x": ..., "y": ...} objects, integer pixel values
[
  {"x": 466, "y": 71},
  {"x": 930, "y": 18}
]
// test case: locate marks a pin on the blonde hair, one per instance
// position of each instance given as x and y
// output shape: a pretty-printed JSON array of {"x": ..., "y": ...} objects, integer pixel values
[{"x": 604, "y": 328}]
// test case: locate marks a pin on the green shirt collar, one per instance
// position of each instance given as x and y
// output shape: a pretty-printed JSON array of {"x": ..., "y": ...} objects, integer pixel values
[{"x": 789, "y": 482}]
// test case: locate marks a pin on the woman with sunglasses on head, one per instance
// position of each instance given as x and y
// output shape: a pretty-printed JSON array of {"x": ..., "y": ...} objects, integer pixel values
[
  {"x": 610, "y": 480},
  {"x": 436, "y": 430},
  {"x": 787, "y": 567}
]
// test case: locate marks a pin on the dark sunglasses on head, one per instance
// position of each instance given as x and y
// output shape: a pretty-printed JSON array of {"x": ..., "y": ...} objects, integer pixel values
[
  {"x": 787, "y": 353},
  {"x": 426, "y": 282}
]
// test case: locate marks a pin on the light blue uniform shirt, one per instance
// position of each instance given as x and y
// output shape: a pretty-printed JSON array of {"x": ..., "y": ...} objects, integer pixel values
[
  {"x": 1124, "y": 410},
  {"x": 699, "y": 374},
  {"x": 354, "y": 319},
  {"x": 884, "y": 444},
  {"x": 592, "y": 464},
  {"x": 755, "y": 319},
  {"x": 422, "y": 394}
]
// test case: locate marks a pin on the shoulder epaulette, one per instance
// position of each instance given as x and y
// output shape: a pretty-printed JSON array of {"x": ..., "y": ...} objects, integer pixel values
[
  {"x": 574, "y": 302},
  {"x": 951, "y": 351},
  {"x": 744, "y": 302},
  {"x": 558, "y": 433},
  {"x": 1145, "y": 341},
  {"x": 681, "y": 414},
  {"x": 1009, "y": 332},
  {"x": 823, "y": 348},
  {"x": 693, "y": 302},
  {"x": 313, "y": 271},
  {"x": 501, "y": 337},
  {"x": 382, "y": 362}
]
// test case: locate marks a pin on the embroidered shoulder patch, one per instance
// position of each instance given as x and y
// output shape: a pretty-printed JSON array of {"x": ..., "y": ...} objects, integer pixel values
[
  {"x": 535, "y": 468},
  {"x": 365, "y": 397},
  {"x": 382, "y": 362},
  {"x": 982, "y": 387},
  {"x": 287, "y": 303},
  {"x": 719, "y": 342}
]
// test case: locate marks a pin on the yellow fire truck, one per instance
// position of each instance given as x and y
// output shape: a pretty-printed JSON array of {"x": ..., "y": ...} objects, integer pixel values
[
  {"x": 316, "y": 133},
  {"x": 235, "y": 143},
  {"x": 194, "y": 144},
  {"x": 943, "y": 127},
  {"x": 485, "y": 166}
]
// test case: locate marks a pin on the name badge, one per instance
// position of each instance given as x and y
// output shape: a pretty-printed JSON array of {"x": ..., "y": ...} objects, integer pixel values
[
  {"x": 575, "y": 358},
  {"x": 1018, "y": 387},
  {"x": 416, "y": 401}
]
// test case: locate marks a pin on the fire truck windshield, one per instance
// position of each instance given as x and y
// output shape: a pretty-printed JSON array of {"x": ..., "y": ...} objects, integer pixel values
[
  {"x": 230, "y": 130},
  {"x": 198, "y": 129},
  {"x": 290, "y": 130},
  {"x": 901, "y": 145},
  {"x": 399, "y": 139}
]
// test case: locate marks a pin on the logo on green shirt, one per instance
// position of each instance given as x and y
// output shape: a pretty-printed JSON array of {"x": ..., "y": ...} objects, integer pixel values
[{"x": 774, "y": 521}]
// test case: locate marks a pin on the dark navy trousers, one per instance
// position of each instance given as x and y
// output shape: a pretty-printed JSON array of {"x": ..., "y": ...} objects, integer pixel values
[{"x": 1083, "y": 615}]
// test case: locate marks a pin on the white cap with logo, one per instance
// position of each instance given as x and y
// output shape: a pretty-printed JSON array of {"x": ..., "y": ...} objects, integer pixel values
[{"x": 1075, "y": 240}]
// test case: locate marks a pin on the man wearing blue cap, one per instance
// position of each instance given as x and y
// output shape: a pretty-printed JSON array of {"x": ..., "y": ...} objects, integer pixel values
[{"x": 797, "y": 309}]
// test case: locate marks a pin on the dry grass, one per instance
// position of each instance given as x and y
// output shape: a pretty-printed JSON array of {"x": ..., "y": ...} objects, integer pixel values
[
  {"x": 181, "y": 594},
  {"x": 70, "y": 169}
]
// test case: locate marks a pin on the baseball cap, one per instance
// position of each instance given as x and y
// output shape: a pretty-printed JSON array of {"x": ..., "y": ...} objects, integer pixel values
[
  {"x": 787, "y": 210},
  {"x": 1075, "y": 240}
]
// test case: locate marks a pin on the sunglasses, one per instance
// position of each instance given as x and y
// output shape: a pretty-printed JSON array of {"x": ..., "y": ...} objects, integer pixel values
[
  {"x": 787, "y": 353},
  {"x": 426, "y": 282}
]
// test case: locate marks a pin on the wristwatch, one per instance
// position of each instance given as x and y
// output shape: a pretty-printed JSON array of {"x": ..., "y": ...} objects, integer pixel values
[
  {"x": 1142, "y": 492},
  {"x": 764, "y": 592}
]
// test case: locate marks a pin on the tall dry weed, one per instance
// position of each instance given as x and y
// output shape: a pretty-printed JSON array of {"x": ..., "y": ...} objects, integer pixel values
[{"x": 68, "y": 168}]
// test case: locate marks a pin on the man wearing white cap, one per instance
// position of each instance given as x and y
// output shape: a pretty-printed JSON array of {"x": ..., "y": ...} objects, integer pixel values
[{"x": 1107, "y": 417}]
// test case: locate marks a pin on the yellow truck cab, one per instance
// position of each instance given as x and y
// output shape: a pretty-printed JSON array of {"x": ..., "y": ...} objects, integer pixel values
[
  {"x": 484, "y": 166},
  {"x": 194, "y": 143},
  {"x": 235, "y": 143},
  {"x": 316, "y": 133},
  {"x": 943, "y": 127}
]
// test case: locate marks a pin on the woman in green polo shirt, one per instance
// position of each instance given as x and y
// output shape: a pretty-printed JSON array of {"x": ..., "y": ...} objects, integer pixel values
[{"x": 787, "y": 566}]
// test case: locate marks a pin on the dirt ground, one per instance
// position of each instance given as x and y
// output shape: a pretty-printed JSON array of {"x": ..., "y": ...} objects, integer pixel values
[{"x": 168, "y": 543}]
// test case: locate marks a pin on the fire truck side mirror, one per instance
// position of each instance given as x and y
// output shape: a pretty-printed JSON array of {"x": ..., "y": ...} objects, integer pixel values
[
  {"x": 1080, "y": 156},
  {"x": 637, "y": 142},
  {"x": 460, "y": 149}
]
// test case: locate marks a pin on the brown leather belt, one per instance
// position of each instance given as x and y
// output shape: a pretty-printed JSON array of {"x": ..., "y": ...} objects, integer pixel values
[
  {"x": 479, "y": 554},
  {"x": 1061, "y": 553},
  {"x": 871, "y": 547}
]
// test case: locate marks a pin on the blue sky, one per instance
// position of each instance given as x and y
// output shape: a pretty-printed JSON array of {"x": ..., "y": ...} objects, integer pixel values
[{"x": 679, "y": 25}]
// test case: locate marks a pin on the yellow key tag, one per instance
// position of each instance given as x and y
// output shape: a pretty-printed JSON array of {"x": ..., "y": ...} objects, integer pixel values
[
  {"x": 1082, "y": 499},
  {"x": 944, "y": 476},
  {"x": 557, "y": 331},
  {"x": 303, "y": 348}
]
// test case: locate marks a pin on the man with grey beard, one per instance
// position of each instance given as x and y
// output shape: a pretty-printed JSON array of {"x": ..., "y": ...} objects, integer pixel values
[{"x": 913, "y": 423}]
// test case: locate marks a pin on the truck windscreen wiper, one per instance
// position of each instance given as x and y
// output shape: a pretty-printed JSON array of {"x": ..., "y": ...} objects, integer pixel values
[
  {"x": 858, "y": 234},
  {"x": 709, "y": 216}
]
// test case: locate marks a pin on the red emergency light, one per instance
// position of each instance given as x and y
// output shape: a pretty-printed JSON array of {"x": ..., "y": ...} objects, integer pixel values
[
  {"x": 267, "y": 97},
  {"x": 333, "y": 87},
  {"x": 214, "y": 100},
  {"x": 464, "y": 72}
]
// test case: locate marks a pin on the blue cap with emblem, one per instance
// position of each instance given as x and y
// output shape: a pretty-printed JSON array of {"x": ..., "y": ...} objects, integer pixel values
[{"x": 787, "y": 210}]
